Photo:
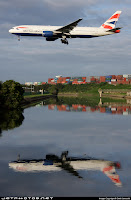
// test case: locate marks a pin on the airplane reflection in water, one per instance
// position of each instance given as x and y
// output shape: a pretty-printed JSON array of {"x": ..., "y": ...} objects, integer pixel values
[
  {"x": 69, "y": 164},
  {"x": 111, "y": 109}
]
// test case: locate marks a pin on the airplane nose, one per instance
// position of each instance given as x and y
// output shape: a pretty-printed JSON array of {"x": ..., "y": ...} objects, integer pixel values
[{"x": 10, "y": 31}]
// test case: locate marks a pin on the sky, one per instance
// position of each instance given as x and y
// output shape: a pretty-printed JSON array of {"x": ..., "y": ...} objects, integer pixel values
[{"x": 35, "y": 59}]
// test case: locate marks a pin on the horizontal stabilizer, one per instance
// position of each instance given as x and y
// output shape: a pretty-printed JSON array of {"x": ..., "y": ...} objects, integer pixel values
[{"x": 114, "y": 29}]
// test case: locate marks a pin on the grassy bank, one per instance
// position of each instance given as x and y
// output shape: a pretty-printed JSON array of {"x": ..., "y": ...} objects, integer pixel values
[
  {"x": 30, "y": 99},
  {"x": 92, "y": 90}
]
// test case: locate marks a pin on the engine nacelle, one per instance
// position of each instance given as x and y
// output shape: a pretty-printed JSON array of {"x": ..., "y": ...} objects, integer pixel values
[{"x": 47, "y": 34}]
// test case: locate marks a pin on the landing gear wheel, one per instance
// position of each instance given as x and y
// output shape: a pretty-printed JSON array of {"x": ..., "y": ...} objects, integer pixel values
[
  {"x": 64, "y": 41},
  {"x": 18, "y": 38}
]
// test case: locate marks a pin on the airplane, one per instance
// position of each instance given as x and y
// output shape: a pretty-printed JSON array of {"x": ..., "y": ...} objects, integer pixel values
[
  {"x": 52, "y": 33},
  {"x": 70, "y": 164}
]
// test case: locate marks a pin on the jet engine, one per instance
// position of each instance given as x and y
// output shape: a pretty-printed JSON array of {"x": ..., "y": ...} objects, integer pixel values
[
  {"x": 51, "y": 38},
  {"x": 47, "y": 34}
]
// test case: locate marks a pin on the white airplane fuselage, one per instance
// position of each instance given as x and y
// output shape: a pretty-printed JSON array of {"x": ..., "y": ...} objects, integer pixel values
[
  {"x": 77, "y": 165},
  {"x": 77, "y": 32}
]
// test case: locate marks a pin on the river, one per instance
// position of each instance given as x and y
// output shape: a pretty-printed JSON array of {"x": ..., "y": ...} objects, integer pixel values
[{"x": 96, "y": 135}]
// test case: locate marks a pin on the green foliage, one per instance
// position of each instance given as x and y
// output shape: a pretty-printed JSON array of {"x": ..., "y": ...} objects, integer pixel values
[
  {"x": 53, "y": 90},
  {"x": 89, "y": 87},
  {"x": 82, "y": 88},
  {"x": 45, "y": 87},
  {"x": 0, "y": 93},
  {"x": 12, "y": 94}
]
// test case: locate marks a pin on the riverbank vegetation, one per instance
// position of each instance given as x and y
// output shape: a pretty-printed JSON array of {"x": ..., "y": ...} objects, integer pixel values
[
  {"x": 82, "y": 89},
  {"x": 11, "y": 94}
]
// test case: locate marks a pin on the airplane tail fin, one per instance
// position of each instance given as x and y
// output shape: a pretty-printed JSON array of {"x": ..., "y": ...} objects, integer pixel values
[
  {"x": 111, "y": 22},
  {"x": 111, "y": 173}
]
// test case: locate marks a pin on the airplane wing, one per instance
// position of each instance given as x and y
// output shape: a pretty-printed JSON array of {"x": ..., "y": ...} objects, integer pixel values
[
  {"x": 69, "y": 27},
  {"x": 66, "y": 166}
]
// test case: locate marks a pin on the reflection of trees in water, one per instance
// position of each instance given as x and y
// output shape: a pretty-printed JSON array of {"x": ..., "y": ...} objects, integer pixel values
[
  {"x": 0, "y": 132},
  {"x": 11, "y": 119},
  {"x": 78, "y": 100},
  {"x": 73, "y": 100},
  {"x": 87, "y": 101}
]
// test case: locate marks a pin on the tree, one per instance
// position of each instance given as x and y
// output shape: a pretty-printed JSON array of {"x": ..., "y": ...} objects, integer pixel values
[
  {"x": 53, "y": 90},
  {"x": 0, "y": 85},
  {"x": 0, "y": 93},
  {"x": 12, "y": 93}
]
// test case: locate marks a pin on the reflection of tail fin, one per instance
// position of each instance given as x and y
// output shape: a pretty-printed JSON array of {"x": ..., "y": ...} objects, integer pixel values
[
  {"x": 111, "y": 22},
  {"x": 111, "y": 173}
]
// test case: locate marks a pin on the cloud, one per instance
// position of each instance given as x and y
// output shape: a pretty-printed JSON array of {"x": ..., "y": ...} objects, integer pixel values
[
  {"x": 68, "y": 3},
  {"x": 45, "y": 59}
]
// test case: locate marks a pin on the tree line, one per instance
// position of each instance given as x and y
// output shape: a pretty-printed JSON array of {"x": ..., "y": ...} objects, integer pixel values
[
  {"x": 11, "y": 94},
  {"x": 85, "y": 88}
]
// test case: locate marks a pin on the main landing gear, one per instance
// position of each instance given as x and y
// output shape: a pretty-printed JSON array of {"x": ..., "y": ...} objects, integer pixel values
[{"x": 64, "y": 40}]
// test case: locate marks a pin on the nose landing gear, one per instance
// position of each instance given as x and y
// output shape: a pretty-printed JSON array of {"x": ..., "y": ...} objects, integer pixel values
[{"x": 18, "y": 38}]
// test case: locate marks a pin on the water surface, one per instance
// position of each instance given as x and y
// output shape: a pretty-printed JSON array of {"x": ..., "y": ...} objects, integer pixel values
[{"x": 85, "y": 129}]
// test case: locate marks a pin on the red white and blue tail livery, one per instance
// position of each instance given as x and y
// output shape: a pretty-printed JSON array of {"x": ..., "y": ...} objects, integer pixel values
[
  {"x": 111, "y": 22},
  {"x": 52, "y": 33}
]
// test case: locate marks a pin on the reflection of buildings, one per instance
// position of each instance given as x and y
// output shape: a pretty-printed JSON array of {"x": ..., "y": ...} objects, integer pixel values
[
  {"x": 109, "y": 109},
  {"x": 70, "y": 164}
]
